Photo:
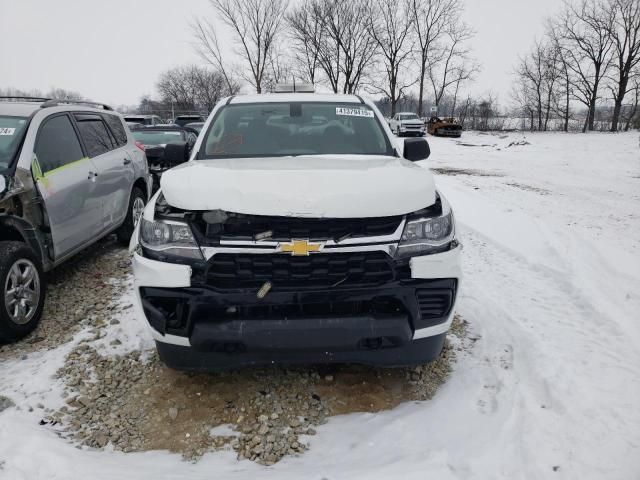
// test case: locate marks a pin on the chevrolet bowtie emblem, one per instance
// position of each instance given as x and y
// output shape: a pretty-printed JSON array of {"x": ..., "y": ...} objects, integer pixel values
[{"x": 299, "y": 247}]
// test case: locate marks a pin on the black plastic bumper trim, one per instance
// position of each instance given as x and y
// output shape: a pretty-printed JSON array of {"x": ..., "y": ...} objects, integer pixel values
[{"x": 413, "y": 353}]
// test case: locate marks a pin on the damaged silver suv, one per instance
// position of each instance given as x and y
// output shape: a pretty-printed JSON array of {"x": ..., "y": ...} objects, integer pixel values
[{"x": 70, "y": 173}]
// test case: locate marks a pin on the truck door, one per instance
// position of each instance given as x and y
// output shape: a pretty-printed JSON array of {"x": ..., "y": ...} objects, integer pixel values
[
  {"x": 65, "y": 178},
  {"x": 114, "y": 168}
]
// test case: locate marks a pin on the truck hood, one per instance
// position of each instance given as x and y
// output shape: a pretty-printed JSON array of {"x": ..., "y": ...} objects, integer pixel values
[
  {"x": 336, "y": 186},
  {"x": 417, "y": 123}
]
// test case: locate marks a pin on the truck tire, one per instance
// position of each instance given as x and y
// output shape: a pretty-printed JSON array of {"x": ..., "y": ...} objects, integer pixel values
[
  {"x": 23, "y": 290},
  {"x": 134, "y": 211}
]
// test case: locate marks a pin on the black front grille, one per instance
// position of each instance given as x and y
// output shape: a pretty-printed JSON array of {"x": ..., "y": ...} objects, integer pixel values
[
  {"x": 230, "y": 270},
  {"x": 434, "y": 303},
  {"x": 287, "y": 228}
]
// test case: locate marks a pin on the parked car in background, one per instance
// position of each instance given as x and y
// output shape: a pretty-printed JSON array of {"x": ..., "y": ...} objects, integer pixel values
[
  {"x": 197, "y": 126},
  {"x": 143, "y": 119},
  {"x": 70, "y": 173},
  {"x": 406, "y": 123},
  {"x": 182, "y": 120},
  {"x": 300, "y": 231},
  {"x": 444, "y": 127},
  {"x": 154, "y": 141}
]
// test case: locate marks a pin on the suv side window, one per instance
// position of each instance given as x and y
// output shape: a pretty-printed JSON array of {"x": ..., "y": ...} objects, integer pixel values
[
  {"x": 57, "y": 143},
  {"x": 94, "y": 133},
  {"x": 117, "y": 129}
]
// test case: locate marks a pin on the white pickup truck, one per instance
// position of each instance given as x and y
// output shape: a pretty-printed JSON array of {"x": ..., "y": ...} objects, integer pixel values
[
  {"x": 300, "y": 231},
  {"x": 406, "y": 123}
]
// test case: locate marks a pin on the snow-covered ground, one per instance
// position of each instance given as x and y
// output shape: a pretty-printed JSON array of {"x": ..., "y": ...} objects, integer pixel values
[{"x": 551, "y": 388}]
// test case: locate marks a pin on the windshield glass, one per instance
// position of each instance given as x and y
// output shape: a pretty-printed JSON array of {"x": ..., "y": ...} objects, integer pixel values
[
  {"x": 294, "y": 128},
  {"x": 11, "y": 129},
  {"x": 409, "y": 116},
  {"x": 158, "y": 137}
]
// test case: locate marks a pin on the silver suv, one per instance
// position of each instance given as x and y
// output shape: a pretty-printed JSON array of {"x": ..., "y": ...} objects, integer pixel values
[{"x": 70, "y": 173}]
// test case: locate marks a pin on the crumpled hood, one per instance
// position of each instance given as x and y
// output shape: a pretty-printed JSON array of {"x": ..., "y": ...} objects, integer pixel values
[{"x": 336, "y": 186}]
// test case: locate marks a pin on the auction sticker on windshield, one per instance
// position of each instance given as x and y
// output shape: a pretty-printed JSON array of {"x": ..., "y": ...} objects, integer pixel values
[
  {"x": 7, "y": 131},
  {"x": 354, "y": 112}
]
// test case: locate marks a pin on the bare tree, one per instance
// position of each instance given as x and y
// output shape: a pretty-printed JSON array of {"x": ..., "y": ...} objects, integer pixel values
[
  {"x": 208, "y": 47},
  {"x": 431, "y": 21},
  {"x": 585, "y": 30},
  {"x": 451, "y": 63},
  {"x": 625, "y": 33},
  {"x": 337, "y": 33},
  {"x": 309, "y": 27},
  {"x": 256, "y": 25},
  {"x": 539, "y": 77},
  {"x": 54, "y": 92},
  {"x": 306, "y": 32},
  {"x": 562, "y": 100},
  {"x": 391, "y": 28},
  {"x": 347, "y": 22},
  {"x": 633, "y": 112},
  {"x": 279, "y": 68},
  {"x": 192, "y": 87}
]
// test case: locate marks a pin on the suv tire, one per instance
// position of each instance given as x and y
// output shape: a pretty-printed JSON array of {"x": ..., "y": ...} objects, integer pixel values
[
  {"x": 21, "y": 282},
  {"x": 134, "y": 211}
]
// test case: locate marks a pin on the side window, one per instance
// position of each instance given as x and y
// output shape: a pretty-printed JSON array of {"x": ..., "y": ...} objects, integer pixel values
[
  {"x": 57, "y": 144},
  {"x": 115, "y": 124},
  {"x": 94, "y": 133}
]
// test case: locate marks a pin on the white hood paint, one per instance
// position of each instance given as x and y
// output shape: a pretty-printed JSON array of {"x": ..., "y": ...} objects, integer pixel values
[{"x": 336, "y": 186}]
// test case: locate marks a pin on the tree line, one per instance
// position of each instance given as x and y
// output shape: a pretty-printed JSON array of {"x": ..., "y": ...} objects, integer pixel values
[
  {"x": 382, "y": 47},
  {"x": 590, "y": 53}
]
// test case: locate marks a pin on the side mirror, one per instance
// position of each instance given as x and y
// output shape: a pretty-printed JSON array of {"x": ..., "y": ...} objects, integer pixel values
[
  {"x": 176, "y": 153},
  {"x": 3, "y": 184},
  {"x": 416, "y": 149}
]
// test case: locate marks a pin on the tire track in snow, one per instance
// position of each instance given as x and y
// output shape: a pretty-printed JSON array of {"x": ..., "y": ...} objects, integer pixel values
[{"x": 564, "y": 370}]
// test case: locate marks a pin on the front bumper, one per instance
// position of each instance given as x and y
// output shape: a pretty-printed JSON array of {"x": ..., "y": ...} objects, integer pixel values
[
  {"x": 203, "y": 328},
  {"x": 412, "y": 130}
]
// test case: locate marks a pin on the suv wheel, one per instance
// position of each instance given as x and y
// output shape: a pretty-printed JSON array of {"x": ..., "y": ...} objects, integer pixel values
[
  {"x": 134, "y": 212},
  {"x": 23, "y": 290}
]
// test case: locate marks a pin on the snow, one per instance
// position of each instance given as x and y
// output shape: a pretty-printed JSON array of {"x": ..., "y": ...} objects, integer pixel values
[{"x": 550, "y": 389}]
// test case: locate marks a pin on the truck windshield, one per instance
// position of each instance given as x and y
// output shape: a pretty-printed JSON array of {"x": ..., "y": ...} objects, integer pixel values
[
  {"x": 409, "y": 116},
  {"x": 294, "y": 128},
  {"x": 11, "y": 129}
]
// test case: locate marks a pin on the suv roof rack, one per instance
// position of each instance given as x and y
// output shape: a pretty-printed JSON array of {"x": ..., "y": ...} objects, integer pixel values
[
  {"x": 17, "y": 98},
  {"x": 54, "y": 102}
]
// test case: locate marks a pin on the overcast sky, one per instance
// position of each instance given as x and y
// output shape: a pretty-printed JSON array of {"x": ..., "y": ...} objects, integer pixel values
[{"x": 113, "y": 50}]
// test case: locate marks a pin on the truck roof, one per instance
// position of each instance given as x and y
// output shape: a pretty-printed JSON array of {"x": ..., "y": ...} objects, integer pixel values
[{"x": 295, "y": 97}]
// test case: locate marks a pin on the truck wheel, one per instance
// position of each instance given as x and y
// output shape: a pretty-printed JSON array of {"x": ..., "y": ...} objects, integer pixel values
[
  {"x": 134, "y": 212},
  {"x": 23, "y": 290}
]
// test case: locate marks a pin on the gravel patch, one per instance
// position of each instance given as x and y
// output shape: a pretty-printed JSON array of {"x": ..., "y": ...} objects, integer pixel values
[
  {"x": 80, "y": 292},
  {"x": 134, "y": 403}
]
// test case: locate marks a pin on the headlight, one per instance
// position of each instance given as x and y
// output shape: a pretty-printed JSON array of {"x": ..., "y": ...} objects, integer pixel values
[
  {"x": 429, "y": 231},
  {"x": 172, "y": 238}
]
